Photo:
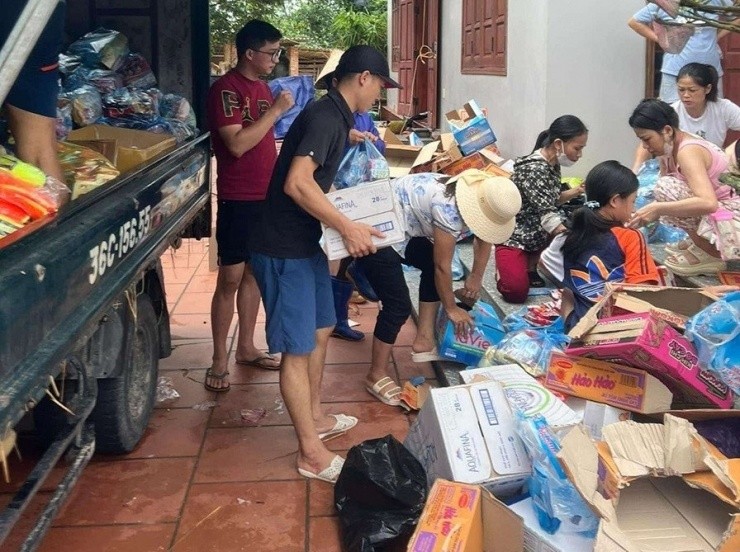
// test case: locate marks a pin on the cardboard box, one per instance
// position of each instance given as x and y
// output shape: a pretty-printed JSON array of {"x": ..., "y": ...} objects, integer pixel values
[
  {"x": 451, "y": 520},
  {"x": 596, "y": 416},
  {"x": 525, "y": 394},
  {"x": 107, "y": 148},
  {"x": 674, "y": 305},
  {"x": 403, "y": 158},
  {"x": 468, "y": 349},
  {"x": 447, "y": 153},
  {"x": 484, "y": 160},
  {"x": 645, "y": 341},
  {"x": 537, "y": 539},
  {"x": 372, "y": 203},
  {"x": 619, "y": 386},
  {"x": 467, "y": 433},
  {"x": 133, "y": 147},
  {"x": 466, "y": 518},
  {"x": 470, "y": 128},
  {"x": 642, "y": 511}
]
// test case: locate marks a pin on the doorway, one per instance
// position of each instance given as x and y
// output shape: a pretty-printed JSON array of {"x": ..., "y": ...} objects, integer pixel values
[{"x": 417, "y": 40}]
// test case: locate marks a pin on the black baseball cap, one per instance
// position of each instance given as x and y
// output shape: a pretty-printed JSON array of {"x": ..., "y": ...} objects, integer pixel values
[{"x": 365, "y": 58}]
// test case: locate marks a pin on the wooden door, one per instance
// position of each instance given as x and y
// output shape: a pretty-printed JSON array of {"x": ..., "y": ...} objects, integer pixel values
[
  {"x": 417, "y": 32},
  {"x": 407, "y": 39},
  {"x": 429, "y": 97},
  {"x": 731, "y": 80}
]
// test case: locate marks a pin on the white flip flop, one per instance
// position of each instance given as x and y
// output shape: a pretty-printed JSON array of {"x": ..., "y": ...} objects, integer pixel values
[
  {"x": 330, "y": 474},
  {"x": 344, "y": 424},
  {"x": 428, "y": 356}
]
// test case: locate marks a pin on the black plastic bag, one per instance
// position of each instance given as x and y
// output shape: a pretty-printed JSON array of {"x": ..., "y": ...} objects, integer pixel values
[{"x": 379, "y": 495}]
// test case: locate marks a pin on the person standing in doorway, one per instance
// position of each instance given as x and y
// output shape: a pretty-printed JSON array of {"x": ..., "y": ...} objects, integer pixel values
[
  {"x": 241, "y": 115},
  {"x": 290, "y": 267}
]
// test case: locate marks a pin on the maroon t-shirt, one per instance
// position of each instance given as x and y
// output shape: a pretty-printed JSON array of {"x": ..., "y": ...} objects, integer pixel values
[{"x": 235, "y": 100}]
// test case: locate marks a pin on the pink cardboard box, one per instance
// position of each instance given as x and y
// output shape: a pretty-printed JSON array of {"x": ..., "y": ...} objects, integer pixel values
[{"x": 644, "y": 341}]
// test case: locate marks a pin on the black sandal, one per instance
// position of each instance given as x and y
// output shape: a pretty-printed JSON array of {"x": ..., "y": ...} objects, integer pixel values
[
  {"x": 535, "y": 280},
  {"x": 211, "y": 374}
]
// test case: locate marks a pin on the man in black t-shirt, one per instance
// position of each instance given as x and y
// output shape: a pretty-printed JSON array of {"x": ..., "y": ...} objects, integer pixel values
[{"x": 288, "y": 263}]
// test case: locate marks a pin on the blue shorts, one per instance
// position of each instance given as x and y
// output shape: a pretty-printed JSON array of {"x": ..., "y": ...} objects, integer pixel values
[{"x": 298, "y": 300}]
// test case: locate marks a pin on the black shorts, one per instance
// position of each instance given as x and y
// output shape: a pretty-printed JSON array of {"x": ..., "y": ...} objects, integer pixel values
[
  {"x": 234, "y": 220},
  {"x": 37, "y": 86}
]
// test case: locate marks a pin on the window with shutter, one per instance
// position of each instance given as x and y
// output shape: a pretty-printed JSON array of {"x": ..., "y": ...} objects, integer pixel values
[{"x": 484, "y": 37}]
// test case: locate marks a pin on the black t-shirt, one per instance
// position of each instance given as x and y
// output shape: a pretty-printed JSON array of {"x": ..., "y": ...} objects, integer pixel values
[{"x": 320, "y": 131}]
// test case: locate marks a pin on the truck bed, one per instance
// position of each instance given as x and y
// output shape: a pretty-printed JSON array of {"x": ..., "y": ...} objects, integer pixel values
[{"x": 58, "y": 278}]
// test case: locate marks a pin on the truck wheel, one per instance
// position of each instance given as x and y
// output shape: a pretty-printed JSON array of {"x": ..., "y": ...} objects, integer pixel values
[{"x": 125, "y": 403}]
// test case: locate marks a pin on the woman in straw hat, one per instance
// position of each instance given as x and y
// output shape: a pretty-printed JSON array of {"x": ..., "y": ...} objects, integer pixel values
[
  {"x": 439, "y": 211},
  {"x": 538, "y": 178}
]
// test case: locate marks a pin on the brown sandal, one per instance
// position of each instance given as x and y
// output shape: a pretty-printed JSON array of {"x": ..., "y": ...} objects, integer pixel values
[{"x": 211, "y": 374}]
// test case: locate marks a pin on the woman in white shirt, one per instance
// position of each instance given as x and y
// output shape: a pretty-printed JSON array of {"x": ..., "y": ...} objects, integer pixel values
[{"x": 700, "y": 110}]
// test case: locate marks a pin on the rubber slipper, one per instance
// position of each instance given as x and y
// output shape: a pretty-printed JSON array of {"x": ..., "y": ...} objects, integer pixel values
[
  {"x": 386, "y": 391},
  {"x": 343, "y": 425},
  {"x": 211, "y": 374},
  {"x": 428, "y": 356},
  {"x": 259, "y": 362},
  {"x": 330, "y": 474}
]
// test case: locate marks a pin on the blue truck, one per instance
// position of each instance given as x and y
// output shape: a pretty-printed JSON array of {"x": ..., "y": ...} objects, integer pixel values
[{"x": 83, "y": 310}]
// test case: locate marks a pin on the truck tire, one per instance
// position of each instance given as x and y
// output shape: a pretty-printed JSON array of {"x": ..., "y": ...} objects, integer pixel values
[{"x": 125, "y": 403}]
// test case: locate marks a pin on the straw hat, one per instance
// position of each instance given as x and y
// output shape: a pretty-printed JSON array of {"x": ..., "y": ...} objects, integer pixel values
[
  {"x": 488, "y": 204},
  {"x": 328, "y": 69}
]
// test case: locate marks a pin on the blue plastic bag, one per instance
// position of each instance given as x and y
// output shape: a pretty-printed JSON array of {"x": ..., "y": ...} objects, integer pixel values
[
  {"x": 715, "y": 333},
  {"x": 469, "y": 349},
  {"x": 557, "y": 503},
  {"x": 302, "y": 89},
  {"x": 361, "y": 163},
  {"x": 530, "y": 349},
  {"x": 526, "y": 319},
  {"x": 656, "y": 232}
]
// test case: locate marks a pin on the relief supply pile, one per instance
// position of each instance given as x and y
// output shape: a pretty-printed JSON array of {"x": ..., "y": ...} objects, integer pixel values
[{"x": 619, "y": 437}]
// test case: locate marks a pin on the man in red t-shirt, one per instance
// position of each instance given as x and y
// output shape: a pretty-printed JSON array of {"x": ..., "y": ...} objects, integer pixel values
[{"x": 241, "y": 115}]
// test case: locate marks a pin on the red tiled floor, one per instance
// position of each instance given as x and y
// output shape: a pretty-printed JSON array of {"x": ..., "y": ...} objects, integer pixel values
[
  {"x": 188, "y": 355},
  {"x": 320, "y": 499},
  {"x": 324, "y": 535},
  {"x": 122, "y": 538},
  {"x": 205, "y": 480},
  {"x": 128, "y": 491},
  {"x": 174, "y": 432},
  {"x": 253, "y": 397},
  {"x": 248, "y": 454},
  {"x": 189, "y": 385},
  {"x": 247, "y": 517}
]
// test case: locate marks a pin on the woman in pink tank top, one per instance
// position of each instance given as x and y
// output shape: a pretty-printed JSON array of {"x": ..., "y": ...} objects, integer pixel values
[{"x": 688, "y": 189}]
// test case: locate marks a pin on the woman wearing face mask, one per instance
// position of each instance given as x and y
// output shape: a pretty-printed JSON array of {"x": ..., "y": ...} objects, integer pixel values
[
  {"x": 700, "y": 109},
  {"x": 538, "y": 178},
  {"x": 693, "y": 191}
]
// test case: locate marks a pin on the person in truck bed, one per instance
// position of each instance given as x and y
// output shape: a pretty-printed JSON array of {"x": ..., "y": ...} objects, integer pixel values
[
  {"x": 31, "y": 104},
  {"x": 241, "y": 115}
]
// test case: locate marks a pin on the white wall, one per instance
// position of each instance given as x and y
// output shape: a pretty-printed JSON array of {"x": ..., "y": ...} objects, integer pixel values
[
  {"x": 595, "y": 70},
  {"x": 516, "y": 103},
  {"x": 564, "y": 56}
]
